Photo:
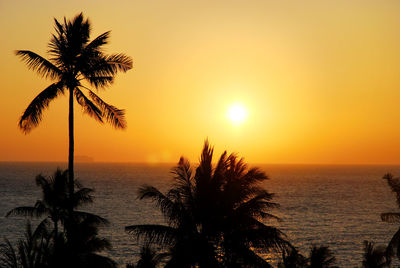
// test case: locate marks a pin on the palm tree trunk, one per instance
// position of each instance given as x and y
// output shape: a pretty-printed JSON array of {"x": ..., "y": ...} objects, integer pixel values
[{"x": 71, "y": 144}]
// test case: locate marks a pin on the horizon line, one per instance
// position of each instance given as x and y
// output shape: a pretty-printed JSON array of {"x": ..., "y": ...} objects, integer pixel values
[{"x": 174, "y": 163}]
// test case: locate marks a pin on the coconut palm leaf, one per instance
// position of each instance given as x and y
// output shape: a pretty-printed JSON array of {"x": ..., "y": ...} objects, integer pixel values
[
  {"x": 120, "y": 62},
  {"x": 391, "y": 217},
  {"x": 82, "y": 196},
  {"x": 113, "y": 115},
  {"x": 92, "y": 218},
  {"x": 8, "y": 256},
  {"x": 33, "y": 113},
  {"x": 88, "y": 106},
  {"x": 154, "y": 233},
  {"x": 28, "y": 211},
  {"x": 39, "y": 64}
]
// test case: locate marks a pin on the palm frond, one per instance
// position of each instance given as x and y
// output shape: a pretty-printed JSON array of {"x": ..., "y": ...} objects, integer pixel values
[
  {"x": 168, "y": 207},
  {"x": 27, "y": 211},
  {"x": 153, "y": 233},
  {"x": 8, "y": 256},
  {"x": 33, "y": 114},
  {"x": 92, "y": 218},
  {"x": 113, "y": 115},
  {"x": 391, "y": 217},
  {"x": 39, "y": 64},
  {"x": 88, "y": 106},
  {"x": 82, "y": 196},
  {"x": 96, "y": 43},
  {"x": 100, "y": 81},
  {"x": 120, "y": 62}
]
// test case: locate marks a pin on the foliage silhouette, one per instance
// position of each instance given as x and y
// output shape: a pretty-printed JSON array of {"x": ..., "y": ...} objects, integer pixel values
[
  {"x": 79, "y": 244},
  {"x": 149, "y": 258},
  {"x": 393, "y": 247},
  {"x": 374, "y": 257},
  {"x": 30, "y": 252},
  {"x": 321, "y": 257},
  {"x": 74, "y": 59},
  {"x": 55, "y": 201},
  {"x": 292, "y": 259},
  {"x": 215, "y": 217}
]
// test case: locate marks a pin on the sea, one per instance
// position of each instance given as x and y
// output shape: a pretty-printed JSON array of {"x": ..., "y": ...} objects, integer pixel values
[{"x": 331, "y": 205}]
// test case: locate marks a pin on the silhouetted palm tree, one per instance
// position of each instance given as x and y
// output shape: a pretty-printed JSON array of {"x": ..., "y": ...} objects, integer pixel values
[
  {"x": 374, "y": 257},
  {"x": 321, "y": 257},
  {"x": 74, "y": 59},
  {"x": 55, "y": 200},
  {"x": 216, "y": 216},
  {"x": 30, "y": 252},
  {"x": 292, "y": 259},
  {"x": 149, "y": 258},
  {"x": 79, "y": 244},
  {"x": 393, "y": 247}
]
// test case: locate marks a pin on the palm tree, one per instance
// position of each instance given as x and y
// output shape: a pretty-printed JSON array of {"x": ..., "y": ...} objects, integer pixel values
[
  {"x": 55, "y": 200},
  {"x": 292, "y": 259},
  {"x": 374, "y": 257},
  {"x": 321, "y": 257},
  {"x": 215, "y": 216},
  {"x": 393, "y": 247},
  {"x": 74, "y": 59},
  {"x": 79, "y": 244},
  {"x": 149, "y": 258},
  {"x": 30, "y": 252}
]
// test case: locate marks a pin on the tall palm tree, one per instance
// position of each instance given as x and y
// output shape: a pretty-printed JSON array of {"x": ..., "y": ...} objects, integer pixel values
[
  {"x": 215, "y": 216},
  {"x": 74, "y": 59},
  {"x": 393, "y": 247}
]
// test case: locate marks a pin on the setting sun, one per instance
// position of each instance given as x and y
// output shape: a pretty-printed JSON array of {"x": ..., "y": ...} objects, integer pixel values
[{"x": 237, "y": 114}]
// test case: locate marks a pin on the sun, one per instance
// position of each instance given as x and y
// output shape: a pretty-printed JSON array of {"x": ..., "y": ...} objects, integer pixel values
[{"x": 237, "y": 114}]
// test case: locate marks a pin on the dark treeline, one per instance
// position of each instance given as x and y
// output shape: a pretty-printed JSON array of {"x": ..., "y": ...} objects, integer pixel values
[{"x": 215, "y": 215}]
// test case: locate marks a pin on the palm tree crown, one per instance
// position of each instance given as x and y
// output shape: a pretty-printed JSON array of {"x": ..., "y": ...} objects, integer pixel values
[
  {"x": 216, "y": 216},
  {"x": 73, "y": 59}
]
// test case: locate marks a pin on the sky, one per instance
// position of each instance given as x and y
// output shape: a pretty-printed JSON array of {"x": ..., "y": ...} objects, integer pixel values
[{"x": 319, "y": 81}]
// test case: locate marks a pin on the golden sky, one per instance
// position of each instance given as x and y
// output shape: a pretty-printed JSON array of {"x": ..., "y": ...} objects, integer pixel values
[{"x": 320, "y": 80}]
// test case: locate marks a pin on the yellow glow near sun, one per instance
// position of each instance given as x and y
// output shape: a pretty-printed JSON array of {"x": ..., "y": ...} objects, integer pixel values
[{"x": 237, "y": 113}]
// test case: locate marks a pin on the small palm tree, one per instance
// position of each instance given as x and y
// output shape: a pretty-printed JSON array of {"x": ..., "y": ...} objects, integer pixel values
[
  {"x": 149, "y": 258},
  {"x": 79, "y": 244},
  {"x": 30, "y": 252},
  {"x": 55, "y": 200},
  {"x": 393, "y": 247},
  {"x": 292, "y": 259},
  {"x": 321, "y": 257},
  {"x": 215, "y": 216},
  {"x": 374, "y": 257},
  {"x": 74, "y": 59}
]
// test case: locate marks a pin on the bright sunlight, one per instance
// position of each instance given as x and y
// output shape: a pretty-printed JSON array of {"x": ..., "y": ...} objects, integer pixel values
[{"x": 237, "y": 114}]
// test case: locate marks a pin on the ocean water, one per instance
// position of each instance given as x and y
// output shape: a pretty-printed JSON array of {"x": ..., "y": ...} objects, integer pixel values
[{"x": 337, "y": 206}]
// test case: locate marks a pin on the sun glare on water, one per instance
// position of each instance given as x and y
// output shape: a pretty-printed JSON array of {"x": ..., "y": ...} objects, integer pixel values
[{"x": 237, "y": 114}]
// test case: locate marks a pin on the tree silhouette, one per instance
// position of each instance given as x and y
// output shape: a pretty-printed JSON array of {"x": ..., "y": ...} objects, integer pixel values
[
  {"x": 374, "y": 257},
  {"x": 30, "y": 252},
  {"x": 55, "y": 200},
  {"x": 215, "y": 216},
  {"x": 149, "y": 258},
  {"x": 74, "y": 59},
  {"x": 78, "y": 244},
  {"x": 321, "y": 257},
  {"x": 393, "y": 217}
]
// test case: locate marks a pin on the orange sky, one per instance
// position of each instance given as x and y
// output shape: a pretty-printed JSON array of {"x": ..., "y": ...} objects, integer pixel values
[{"x": 320, "y": 80}]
